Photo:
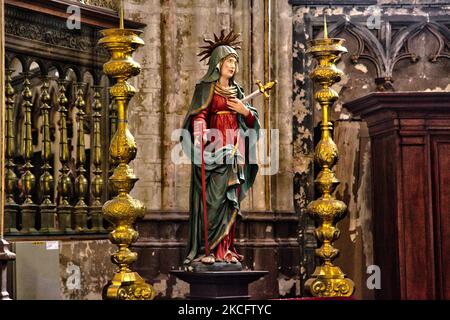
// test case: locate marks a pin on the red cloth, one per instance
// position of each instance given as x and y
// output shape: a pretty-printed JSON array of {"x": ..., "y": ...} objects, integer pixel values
[
  {"x": 209, "y": 119},
  {"x": 225, "y": 249}
]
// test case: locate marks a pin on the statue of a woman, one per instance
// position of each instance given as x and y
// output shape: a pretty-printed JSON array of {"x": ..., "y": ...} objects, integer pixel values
[{"x": 222, "y": 170}]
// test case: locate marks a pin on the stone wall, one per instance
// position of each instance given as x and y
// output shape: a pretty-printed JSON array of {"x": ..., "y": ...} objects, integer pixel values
[
  {"x": 60, "y": 269},
  {"x": 85, "y": 268},
  {"x": 170, "y": 69}
]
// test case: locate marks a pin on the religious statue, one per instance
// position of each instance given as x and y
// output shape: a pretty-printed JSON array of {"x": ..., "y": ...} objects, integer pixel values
[{"x": 222, "y": 131}]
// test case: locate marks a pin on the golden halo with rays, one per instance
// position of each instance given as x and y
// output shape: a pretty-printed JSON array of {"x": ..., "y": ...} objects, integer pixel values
[{"x": 229, "y": 40}]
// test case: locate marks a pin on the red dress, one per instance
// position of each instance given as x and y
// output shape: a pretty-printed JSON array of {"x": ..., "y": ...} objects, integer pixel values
[{"x": 219, "y": 116}]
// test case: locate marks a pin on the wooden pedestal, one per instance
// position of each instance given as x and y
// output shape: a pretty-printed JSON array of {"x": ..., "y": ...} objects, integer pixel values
[{"x": 219, "y": 284}]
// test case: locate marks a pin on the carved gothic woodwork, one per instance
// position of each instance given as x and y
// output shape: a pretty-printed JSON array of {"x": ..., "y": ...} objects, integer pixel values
[{"x": 37, "y": 30}]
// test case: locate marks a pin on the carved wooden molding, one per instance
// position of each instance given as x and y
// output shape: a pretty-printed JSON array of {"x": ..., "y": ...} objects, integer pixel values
[
  {"x": 37, "y": 31},
  {"x": 40, "y": 27},
  {"x": 101, "y": 17},
  {"x": 420, "y": 102},
  {"x": 46, "y": 40}
]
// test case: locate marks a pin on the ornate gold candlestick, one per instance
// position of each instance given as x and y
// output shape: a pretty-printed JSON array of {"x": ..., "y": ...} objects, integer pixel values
[
  {"x": 327, "y": 280},
  {"x": 122, "y": 211}
]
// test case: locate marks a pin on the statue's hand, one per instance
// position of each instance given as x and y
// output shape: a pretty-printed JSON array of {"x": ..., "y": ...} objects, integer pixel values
[{"x": 237, "y": 105}]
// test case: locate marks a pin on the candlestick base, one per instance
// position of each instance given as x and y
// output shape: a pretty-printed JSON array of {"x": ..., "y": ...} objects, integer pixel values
[
  {"x": 128, "y": 286},
  {"x": 329, "y": 281}
]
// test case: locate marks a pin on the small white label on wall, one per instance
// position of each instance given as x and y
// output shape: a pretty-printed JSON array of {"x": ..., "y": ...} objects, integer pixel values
[{"x": 52, "y": 245}]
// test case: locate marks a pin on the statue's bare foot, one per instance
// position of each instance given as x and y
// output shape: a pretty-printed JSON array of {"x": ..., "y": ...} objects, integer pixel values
[
  {"x": 229, "y": 257},
  {"x": 208, "y": 260}
]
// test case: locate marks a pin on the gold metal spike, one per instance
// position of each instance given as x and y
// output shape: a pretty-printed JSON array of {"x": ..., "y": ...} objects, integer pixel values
[{"x": 229, "y": 40}]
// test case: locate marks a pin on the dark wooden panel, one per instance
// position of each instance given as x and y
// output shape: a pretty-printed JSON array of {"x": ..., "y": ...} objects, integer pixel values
[
  {"x": 410, "y": 138},
  {"x": 417, "y": 266},
  {"x": 384, "y": 219},
  {"x": 441, "y": 179}
]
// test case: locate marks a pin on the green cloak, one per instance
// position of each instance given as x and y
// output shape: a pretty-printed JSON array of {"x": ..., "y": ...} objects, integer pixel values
[{"x": 223, "y": 178}]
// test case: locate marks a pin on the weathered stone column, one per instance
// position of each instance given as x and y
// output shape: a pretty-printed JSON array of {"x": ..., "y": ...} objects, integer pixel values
[
  {"x": 257, "y": 196},
  {"x": 281, "y": 105},
  {"x": 145, "y": 108},
  {"x": 170, "y": 80}
]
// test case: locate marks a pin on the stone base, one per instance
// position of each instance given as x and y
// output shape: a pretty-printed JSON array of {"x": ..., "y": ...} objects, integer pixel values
[
  {"x": 219, "y": 284},
  {"x": 48, "y": 213}
]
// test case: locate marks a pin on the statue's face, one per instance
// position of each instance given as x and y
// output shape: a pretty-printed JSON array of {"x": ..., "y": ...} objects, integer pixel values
[{"x": 228, "y": 67}]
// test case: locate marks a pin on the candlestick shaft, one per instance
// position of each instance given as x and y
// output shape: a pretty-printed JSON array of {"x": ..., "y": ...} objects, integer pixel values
[{"x": 327, "y": 280}]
